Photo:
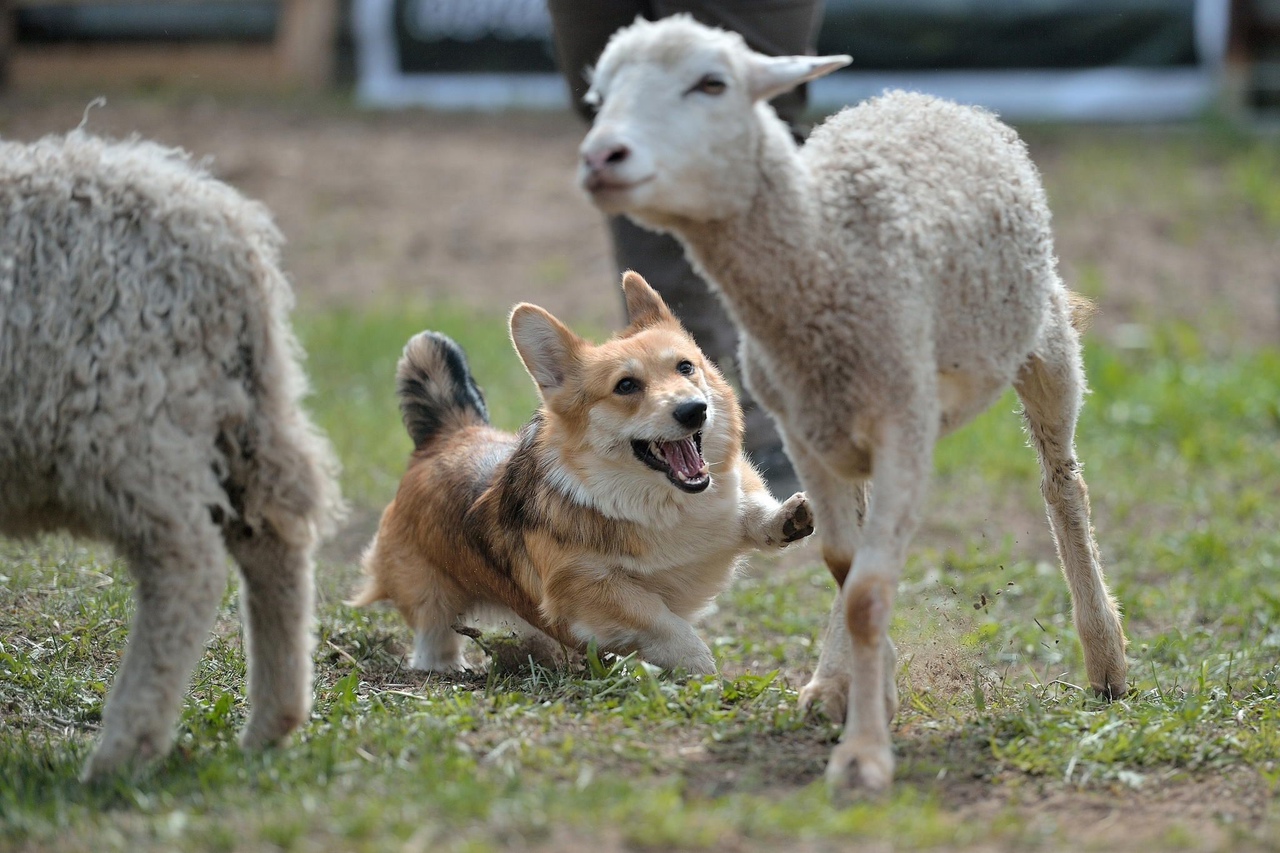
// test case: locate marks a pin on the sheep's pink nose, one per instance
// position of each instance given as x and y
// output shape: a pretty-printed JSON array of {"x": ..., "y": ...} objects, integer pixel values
[{"x": 606, "y": 155}]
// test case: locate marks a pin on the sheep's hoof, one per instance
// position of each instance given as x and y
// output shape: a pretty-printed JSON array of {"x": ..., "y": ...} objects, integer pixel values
[
  {"x": 1111, "y": 691},
  {"x": 262, "y": 732},
  {"x": 826, "y": 696},
  {"x": 797, "y": 518},
  {"x": 120, "y": 755},
  {"x": 859, "y": 764},
  {"x": 1108, "y": 672}
]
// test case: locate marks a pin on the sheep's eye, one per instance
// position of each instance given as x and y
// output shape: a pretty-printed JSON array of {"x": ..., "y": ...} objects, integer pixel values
[
  {"x": 685, "y": 368},
  {"x": 592, "y": 99},
  {"x": 626, "y": 385},
  {"x": 710, "y": 85}
]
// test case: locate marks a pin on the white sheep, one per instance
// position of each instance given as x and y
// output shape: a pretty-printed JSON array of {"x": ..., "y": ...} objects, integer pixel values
[
  {"x": 891, "y": 279},
  {"x": 149, "y": 387}
]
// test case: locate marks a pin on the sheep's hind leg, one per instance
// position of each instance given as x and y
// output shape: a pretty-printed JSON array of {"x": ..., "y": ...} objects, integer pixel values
[
  {"x": 180, "y": 568},
  {"x": 278, "y": 599},
  {"x": 1051, "y": 385}
]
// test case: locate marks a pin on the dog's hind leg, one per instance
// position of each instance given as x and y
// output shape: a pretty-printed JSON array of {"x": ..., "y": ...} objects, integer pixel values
[
  {"x": 1051, "y": 385},
  {"x": 278, "y": 601},
  {"x": 180, "y": 566},
  {"x": 436, "y": 646}
]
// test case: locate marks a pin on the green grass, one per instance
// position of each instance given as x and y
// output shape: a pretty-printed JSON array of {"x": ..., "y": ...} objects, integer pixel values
[
  {"x": 1180, "y": 455},
  {"x": 352, "y": 358},
  {"x": 998, "y": 746}
]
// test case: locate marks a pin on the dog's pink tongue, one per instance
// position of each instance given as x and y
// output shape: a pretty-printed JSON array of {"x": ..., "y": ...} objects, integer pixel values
[{"x": 683, "y": 457}]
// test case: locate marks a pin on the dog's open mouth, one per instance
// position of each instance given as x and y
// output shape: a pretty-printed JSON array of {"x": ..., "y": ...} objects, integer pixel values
[{"x": 681, "y": 461}]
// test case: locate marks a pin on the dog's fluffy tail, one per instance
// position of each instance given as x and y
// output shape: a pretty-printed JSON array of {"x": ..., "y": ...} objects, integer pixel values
[{"x": 436, "y": 390}]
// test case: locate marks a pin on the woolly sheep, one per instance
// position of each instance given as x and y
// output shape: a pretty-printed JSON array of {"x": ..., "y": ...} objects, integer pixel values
[
  {"x": 149, "y": 387},
  {"x": 890, "y": 280}
]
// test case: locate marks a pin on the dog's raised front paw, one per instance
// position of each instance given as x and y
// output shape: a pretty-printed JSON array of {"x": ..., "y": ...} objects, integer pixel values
[{"x": 796, "y": 518}]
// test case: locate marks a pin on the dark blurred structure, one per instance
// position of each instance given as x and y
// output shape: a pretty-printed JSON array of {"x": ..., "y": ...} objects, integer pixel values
[
  {"x": 1253, "y": 55},
  {"x": 991, "y": 35},
  {"x": 1033, "y": 58},
  {"x": 1052, "y": 59},
  {"x": 221, "y": 44}
]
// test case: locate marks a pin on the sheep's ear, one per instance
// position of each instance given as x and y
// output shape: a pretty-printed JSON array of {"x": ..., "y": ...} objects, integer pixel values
[
  {"x": 644, "y": 306},
  {"x": 770, "y": 76},
  {"x": 547, "y": 348}
]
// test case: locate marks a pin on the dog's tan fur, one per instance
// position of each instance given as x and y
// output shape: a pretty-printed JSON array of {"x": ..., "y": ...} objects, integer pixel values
[{"x": 562, "y": 531}]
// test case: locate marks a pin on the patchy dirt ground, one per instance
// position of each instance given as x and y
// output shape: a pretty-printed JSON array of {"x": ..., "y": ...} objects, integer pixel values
[
  {"x": 387, "y": 206},
  {"x": 481, "y": 209},
  {"x": 390, "y": 206}
]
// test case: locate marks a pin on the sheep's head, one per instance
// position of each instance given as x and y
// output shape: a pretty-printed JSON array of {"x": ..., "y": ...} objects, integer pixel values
[{"x": 680, "y": 110}]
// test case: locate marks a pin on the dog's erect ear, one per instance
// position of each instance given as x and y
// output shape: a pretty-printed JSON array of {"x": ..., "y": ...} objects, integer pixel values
[
  {"x": 644, "y": 306},
  {"x": 547, "y": 348}
]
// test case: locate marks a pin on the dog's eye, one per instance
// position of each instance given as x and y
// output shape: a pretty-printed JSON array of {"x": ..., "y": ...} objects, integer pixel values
[
  {"x": 685, "y": 368},
  {"x": 710, "y": 84},
  {"x": 627, "y": 385}
]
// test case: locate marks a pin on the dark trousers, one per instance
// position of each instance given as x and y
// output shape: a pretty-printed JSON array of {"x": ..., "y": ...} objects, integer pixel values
[{"x": 777, "y": 27}]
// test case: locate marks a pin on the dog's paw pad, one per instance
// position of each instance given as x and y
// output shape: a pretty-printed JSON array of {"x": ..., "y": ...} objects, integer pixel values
[{"x": 798, "y": 521}]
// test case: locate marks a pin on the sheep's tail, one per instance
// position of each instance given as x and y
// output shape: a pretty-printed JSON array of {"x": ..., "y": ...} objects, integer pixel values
[
  {"x": 436, "y": 390},
  {"x": 1082, "y": 309}
]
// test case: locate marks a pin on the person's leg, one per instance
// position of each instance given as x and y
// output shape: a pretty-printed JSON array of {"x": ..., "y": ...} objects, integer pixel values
[
  {"x": 775, "y": 27},
  {"x": 660, "y": 259},
  {"x": 580, "y": 31}
]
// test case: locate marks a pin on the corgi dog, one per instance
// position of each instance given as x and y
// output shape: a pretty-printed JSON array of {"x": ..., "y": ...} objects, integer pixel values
[{"x": 616, "y": 515}]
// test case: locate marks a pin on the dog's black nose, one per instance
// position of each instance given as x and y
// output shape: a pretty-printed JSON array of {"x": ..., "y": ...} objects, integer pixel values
[{"x": 691, "y": 414}]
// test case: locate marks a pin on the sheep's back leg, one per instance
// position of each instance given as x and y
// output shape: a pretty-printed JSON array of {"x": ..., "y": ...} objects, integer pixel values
[
  {"x": 180, "y": 567},
  {"x": 902, "y": 459},
  {"x": 278, "y": 598},
  {"x": 1051, "y": 385}
]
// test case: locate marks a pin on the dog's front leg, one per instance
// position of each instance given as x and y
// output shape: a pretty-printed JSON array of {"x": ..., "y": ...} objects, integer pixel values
[
  {"x": 671, "y": 643},
  {"x": 615, "y": 610},
  {"x": 769, "y": 524}
]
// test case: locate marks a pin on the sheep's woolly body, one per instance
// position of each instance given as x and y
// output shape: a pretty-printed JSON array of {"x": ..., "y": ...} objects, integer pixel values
[
  {"x": 149, "y": 387},
  {"x": 891, "y": 280},
  {"x": 911, "y": 237}
]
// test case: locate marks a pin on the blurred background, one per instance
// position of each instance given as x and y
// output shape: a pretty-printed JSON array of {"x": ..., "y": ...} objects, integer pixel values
[
  {"x": 1081, "y": 59},
  {"x": 418, "y": 154}
]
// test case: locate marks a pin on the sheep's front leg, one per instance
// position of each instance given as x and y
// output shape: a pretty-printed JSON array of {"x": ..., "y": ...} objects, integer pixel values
[
  {"x": 901, "y": 461},
  {"x": 840, "y": 506},
  {"x": 828, "y": 691}
]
